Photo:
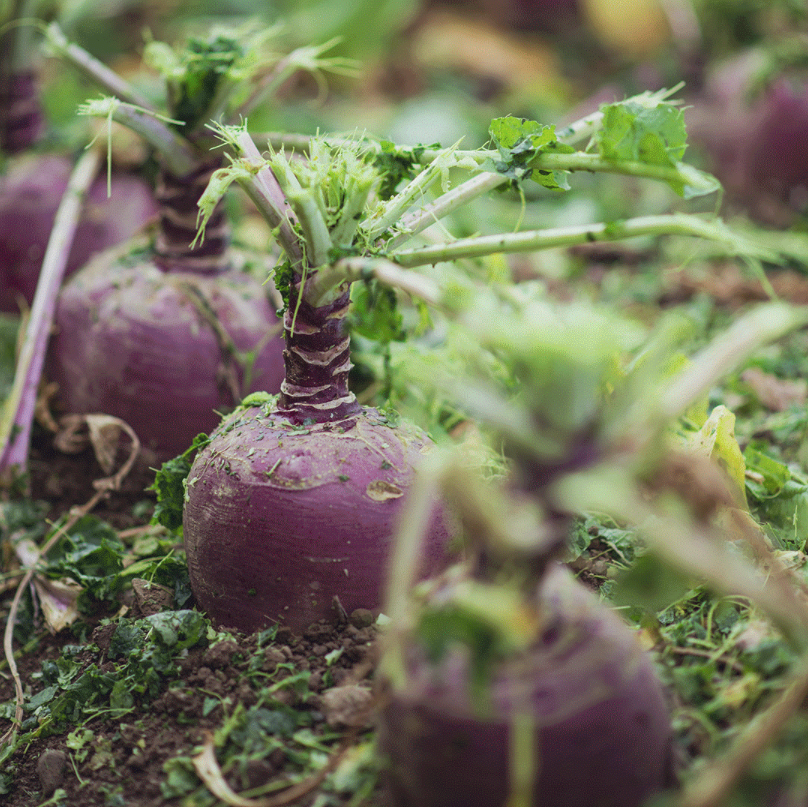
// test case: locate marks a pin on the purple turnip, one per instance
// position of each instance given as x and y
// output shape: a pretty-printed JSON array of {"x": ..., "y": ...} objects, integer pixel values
[
  {"x": 30, "y": 192},
  {"x": 166, "y": 336},
  {"x": 595, "y": 730},
  {"x": 33, "y": 184},
  {"x": 291, "y": 507},
  {"x": 751, "y": 120},
  {"x": 169, "y": 333}
]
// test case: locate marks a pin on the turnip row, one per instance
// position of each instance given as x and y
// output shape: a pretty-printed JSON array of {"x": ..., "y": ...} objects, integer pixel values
[
  {"x": 33, "y": 184},
  {"x": 268, "y": 513}
]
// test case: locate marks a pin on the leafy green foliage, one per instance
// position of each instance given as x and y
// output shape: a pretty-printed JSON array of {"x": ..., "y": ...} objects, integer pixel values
[
  {"x": 144, "y": 654},
  {"x": 91, "y": 555},
  {"x": 195, "y": 74},
  {"x": 654, "y": 135},
  {"x": 374, "y": 312},
  {"x": 632, "y": 131},
  {"x": 779, "y": 495},
  {"x": 519, "y": 141},
  {"x": 396, "y": 164},
  {"x": 169, "y": 485}
]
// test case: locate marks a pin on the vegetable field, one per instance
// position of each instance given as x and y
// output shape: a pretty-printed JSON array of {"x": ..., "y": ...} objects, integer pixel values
[{"x": 404, "y": 404}]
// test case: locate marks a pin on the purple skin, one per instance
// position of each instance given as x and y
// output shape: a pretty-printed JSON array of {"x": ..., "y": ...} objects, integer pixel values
[
  {"x": 295, "y": 504},
  {"x": 603, "y": 735},
  {"x": 30, "y": 193},
  {"x": 134, "y": 334},
  {"x": 776, "y": 147},
  {"x": 32, "y": 188}
]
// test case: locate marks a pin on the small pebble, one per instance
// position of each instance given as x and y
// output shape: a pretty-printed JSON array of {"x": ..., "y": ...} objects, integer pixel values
[{"x": 347, "y": 706}]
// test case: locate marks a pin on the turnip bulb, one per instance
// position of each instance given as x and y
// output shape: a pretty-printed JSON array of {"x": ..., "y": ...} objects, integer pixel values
[
  {"x": 752, "y": 122},
  {"x": 162, "y": 335},
  {"x": 776, "y": 147},
  {"x": 170, "y": 333},
  {"x": 30, "y": 192},
  {"x": 291, "y": 507},
  {"x": 599, "y": 733}
]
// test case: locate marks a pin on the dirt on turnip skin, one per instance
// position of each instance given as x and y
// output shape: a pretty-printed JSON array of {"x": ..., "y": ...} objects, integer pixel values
[{"x": 280, "y": 518}]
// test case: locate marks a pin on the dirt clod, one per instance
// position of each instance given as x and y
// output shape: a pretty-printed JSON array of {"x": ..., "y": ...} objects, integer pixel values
[
  {"x": 50, "y": 769},
  {"x": 347, "y": 706}
]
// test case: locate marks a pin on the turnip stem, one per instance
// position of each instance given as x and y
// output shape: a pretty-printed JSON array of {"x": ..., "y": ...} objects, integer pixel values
[
  {"x": 266, "y": 193},
  {"x": 396, "y": 207},
  {"x": 415, "y": 222},
  {"x": 176, "y": 153},
  {"x": 95, "y": 70},
  {"x": 175, "y": 248},
  {"x": 533, "y": 240},
  {"x": 17, "y": 417},
  {"x": 327, "y": 279},
  {"x": 317, "y": 360}
]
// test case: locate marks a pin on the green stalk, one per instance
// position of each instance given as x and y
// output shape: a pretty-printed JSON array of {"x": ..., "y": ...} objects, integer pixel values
[
  {"x": 179, "y": 157},
  {"x": 534, "y": 240},
  {"x": 325, "y": 283},
  {"x": 95, "y": 70},
  {"x": 397, "y": 206},
  {"x": 419, "y": 220},
  {"x": 269, "y": 198}
]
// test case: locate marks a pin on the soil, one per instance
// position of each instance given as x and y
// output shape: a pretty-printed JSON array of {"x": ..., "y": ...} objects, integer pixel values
[{"x": 125, "y": 761}]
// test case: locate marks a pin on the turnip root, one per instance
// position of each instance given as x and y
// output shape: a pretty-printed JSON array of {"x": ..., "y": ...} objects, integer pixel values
[
  {"x": 153, "y": 338},
  {"x": 294, "y": 501},
  {"x": 598, "y": 725}
]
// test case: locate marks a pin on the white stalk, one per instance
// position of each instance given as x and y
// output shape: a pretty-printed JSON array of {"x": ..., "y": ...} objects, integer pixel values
[{"x": 18, "y": 414}]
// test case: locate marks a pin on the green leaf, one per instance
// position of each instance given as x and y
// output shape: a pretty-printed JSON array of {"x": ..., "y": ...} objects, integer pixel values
[
  {"x": 656, "y": 135},
  {"x": 396, "y": 164},
  {"x": 92, "y": 555},
  {"x": 716, "y": 439},
  {"x": 519, "y": 142},
  {"x": 169, "y": 485},
  {"x": 633, "y": 132}
]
